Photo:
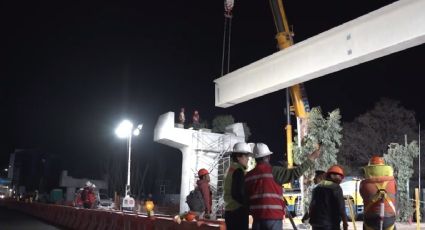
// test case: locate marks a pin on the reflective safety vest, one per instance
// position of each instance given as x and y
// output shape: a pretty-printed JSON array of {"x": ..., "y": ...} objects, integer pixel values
[
  {"x": 230, "y": 203},
  {"x": 265, "y": 195},
  {"x": 379, "y": 188}
]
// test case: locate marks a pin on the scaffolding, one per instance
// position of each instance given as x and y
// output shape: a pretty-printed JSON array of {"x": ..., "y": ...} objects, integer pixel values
[{"x": 217, "y": 147}]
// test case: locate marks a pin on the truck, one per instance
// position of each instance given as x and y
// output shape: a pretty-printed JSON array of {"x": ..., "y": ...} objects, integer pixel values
[{"x": 351, "y": 191}]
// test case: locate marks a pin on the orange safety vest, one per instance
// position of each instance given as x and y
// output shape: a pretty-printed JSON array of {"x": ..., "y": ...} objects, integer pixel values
[
  {"x": 374, "y": 191},
  {"x": 265, "y": 195}
]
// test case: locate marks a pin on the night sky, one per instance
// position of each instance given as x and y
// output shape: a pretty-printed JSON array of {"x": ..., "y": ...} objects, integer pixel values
[{"x": 72, "y": 71}]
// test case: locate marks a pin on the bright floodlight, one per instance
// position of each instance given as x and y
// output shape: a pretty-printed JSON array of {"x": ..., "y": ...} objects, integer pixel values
[
  {"x": 136, "y": 132},
  {"x": 124, "y": 129}
]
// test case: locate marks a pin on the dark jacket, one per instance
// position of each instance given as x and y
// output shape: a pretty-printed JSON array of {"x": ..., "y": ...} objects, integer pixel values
[
  {"x": 204, "y": 187},
  {"x": 327, "y": 207},
  {"x": 235, "y": 198},
  {"x": 283, "y": 175}
]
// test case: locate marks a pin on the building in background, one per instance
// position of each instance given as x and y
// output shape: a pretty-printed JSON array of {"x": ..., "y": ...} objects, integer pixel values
[{"x": 31, "y": 170}]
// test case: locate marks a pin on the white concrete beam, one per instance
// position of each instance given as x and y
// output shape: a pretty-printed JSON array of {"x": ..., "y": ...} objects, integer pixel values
[{"x": 393, "y": 28}]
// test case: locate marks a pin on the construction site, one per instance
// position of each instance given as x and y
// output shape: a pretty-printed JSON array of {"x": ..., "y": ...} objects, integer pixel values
[{"x": 377, "y": 34}]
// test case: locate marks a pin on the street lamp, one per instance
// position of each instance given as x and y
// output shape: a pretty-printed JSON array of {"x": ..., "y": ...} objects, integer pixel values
[{"x": 126, "y": 130}]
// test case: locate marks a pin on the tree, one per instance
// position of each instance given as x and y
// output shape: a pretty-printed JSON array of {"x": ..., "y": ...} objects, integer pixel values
[
  {"x": 401, "y": 157},
  {"x": 326, "y": 131},
  {"x": 220, "y": 122},
  {"x": 370, "y": 133}
]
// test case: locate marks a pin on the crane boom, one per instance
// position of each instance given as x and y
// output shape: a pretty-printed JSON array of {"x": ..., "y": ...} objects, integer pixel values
[{"x": 284, "y": 39}]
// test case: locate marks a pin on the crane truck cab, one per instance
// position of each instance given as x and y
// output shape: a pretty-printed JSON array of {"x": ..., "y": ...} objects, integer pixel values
[{"x": 351, "y": 191}]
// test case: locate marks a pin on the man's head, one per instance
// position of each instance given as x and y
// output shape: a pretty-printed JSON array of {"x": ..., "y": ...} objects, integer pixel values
[
  {"x": 335, "y": 173},
  {"x": 319, "y": 176},
  {"x": 241, "y": 152},
  {"x": 203, "y": 174},
  {"x": 262, "y": 152}
]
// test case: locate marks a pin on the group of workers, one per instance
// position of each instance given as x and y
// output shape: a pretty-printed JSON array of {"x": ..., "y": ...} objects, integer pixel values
[
  {"x": 86, "y": 196},
  {"x": 259, "y": 192}
]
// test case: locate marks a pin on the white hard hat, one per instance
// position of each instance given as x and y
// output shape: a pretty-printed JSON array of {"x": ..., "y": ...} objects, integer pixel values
[
  {"x": 261, "y": 150},
  {"x": 242, "y": 147},
  {"x": 88, "y": 184}
]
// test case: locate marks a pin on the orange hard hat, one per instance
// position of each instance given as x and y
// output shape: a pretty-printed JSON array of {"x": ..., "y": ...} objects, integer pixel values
[
  {"x": 190, "y": 216},
  {"x": 337, "y": 170},
  {"x": 202, "y": 172},
  {"x": 376, "y": 160}
]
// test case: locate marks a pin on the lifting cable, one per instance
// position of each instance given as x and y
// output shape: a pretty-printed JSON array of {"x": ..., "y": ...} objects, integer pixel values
[{"x": 228, "y": 7}]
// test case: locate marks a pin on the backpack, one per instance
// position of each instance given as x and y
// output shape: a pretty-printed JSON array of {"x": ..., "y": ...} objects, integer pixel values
[{"x": 195, "y": 201}]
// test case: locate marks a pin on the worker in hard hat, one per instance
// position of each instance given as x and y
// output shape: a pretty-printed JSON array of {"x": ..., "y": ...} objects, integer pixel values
[
  {"x": 236, "y": 207},
  {"x": 87, "y": 195},
  {"x": 378, "y": 191},
  {"x": 327, "y": 206},
  {"x": 204, "y": 186},
  {"x": 264, "y": 187},
  {"x": 319, "y": 175}
]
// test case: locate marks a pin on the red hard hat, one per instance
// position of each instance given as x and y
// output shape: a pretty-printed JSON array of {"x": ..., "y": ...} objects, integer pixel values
[
  {"x": 202, "y": 172},
  {"x": 337, "y": 170},
  {"x": 377, "y": 160}
]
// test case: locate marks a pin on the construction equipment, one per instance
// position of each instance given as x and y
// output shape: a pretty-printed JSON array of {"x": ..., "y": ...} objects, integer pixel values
[
  {"x": 297, "y": 93},
  {"x": 350, "y": 206},
  {"x": 289, "y": 215},
  {"x": 300, "y": 104},
  {"x": 351, "y": 190}
]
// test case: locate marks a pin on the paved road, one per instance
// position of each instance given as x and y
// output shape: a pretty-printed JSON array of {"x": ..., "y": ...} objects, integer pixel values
[
  {"x": 13, "y": 220},
  {"x": 359, "y": 226}
]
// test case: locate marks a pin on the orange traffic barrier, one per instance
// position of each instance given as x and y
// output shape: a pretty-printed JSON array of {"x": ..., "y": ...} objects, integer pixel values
[{"x": 88, "y": 219}]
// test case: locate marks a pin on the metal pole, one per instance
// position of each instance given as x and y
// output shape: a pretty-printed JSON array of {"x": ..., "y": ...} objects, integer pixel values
[
  {"x": 301, "y": 180},
  {"x": 418, "y": 215},
  {"x": 127, "y": 192},
  {"x": 288, "y": 131},
  {"x": 419, "y": 185}
]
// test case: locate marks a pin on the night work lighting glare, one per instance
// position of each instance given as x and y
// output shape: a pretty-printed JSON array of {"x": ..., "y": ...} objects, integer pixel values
[
  {"x": 124, "y": 129},
  {"x": 136, "y": 132}
]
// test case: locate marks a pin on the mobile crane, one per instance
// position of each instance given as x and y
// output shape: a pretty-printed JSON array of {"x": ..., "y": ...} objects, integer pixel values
[{"x": 300, "y": 104}]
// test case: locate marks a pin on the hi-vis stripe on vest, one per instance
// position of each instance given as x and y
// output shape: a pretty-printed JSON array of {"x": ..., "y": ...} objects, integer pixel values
[
  {"x": 264, "y": 175},
  {"x": 271, "y": 195},
  {"x": 381, "y": 196},
  {"x": 278, "y": 207}
]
